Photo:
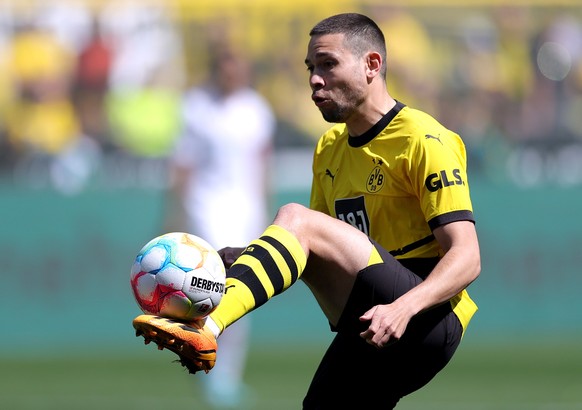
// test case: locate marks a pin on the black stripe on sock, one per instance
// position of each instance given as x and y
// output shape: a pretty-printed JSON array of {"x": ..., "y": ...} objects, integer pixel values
[
  {"x": 285, "y": 254},
  {"x": 247, "y": 276},
  {"x": 270, "y": 266}
]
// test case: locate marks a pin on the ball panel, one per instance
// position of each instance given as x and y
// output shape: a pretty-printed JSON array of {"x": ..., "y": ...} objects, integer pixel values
[
  {"x": 215, "y": 266},
  {"x": 144, "y": 286},
  {"x": 187, "y": 257},
  {"x": 203, "y": 307},
  {"x": 175, "y": 305},
  {"x": 201, "y": 284},
  {"x": 135, "y": 268},
  {"x": 171, "y": 276},
  {"x": 154, "y": 258}
]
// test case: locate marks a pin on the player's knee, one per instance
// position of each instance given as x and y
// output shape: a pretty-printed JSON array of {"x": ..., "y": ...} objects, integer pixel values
[{"x": 291, "y": 216}]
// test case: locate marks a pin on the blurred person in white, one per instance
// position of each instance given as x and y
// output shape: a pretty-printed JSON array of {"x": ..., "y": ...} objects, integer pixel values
[{"x": 223, "y": 151}]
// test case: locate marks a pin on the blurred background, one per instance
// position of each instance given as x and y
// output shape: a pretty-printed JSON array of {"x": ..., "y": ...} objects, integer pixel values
[{"x": 90, "y": 97}]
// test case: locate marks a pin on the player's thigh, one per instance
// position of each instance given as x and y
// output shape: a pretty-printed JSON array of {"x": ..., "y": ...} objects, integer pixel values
[
  {"x": 374, "y": 285},
  {"x": 353, "y": 371},
  {"x": 336, "y": 253},
  {"x": 330, "y": 243},
  {"x": 430, "y": 342}
]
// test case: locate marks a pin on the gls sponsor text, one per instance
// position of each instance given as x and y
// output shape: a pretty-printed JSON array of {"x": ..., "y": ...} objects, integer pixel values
[{"x": 442, "y": 179}]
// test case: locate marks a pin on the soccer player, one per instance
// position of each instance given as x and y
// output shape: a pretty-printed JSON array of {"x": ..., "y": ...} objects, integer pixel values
[{"x": 388, "y": 247}]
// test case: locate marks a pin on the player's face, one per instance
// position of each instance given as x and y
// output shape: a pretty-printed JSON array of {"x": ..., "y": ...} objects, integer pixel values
[{"x": 336, "y": 76}]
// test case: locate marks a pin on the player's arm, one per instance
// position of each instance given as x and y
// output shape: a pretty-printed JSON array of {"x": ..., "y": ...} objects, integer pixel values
[
  {"x": 460, "y": 266},
  {"x": 457, "y": 269}
]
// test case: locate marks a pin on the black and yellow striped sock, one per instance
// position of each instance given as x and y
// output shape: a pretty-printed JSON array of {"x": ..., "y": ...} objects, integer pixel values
[{"x": 267, "y": 267}]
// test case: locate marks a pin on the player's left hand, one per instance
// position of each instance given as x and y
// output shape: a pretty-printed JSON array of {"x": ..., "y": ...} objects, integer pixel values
[{"x": 387, "y": 324}]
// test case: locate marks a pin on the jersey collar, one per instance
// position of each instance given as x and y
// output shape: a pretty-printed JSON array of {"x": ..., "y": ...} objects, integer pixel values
[{"x": 376, "y": 128}]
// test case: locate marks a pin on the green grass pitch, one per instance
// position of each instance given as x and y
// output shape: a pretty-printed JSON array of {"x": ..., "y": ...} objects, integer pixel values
[{"x": 513, "y": 376}]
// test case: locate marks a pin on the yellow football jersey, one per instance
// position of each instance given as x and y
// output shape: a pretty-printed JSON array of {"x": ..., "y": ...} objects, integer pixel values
[{"x": 398, "y": 181}]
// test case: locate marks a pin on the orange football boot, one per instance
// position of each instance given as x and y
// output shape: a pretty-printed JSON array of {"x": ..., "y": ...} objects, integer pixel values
[{"x": 193, "y": 342}]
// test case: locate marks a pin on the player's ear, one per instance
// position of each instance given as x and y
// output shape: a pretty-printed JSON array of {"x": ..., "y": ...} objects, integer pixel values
[{"x": 374, "y": 64}]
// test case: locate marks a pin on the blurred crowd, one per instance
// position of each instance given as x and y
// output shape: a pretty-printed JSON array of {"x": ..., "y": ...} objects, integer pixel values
[
  {"x": 82, "y": 85},
  {"x": 92, "y": 91}
]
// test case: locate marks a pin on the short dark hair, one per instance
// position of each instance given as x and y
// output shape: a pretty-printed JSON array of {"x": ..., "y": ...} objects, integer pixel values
[{"x": 361, "y": 33}]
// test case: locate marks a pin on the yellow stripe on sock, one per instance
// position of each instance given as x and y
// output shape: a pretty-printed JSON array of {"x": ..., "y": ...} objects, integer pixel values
[
  {"x": 281, "y": 263},
  {"x": 259, "y": 271},
  {"x": 291, "y": 243},
  {"x": 240, "y": 300}
]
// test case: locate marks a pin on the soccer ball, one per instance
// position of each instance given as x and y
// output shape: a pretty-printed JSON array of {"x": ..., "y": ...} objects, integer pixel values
[{"x": 179, "y": 276}]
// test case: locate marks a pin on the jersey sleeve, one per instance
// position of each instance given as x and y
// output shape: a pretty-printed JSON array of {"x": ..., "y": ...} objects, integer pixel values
[{"x": 438, "y": 171}]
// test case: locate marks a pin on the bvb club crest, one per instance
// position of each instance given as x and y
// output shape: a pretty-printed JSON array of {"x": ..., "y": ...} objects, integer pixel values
[{"x": 375, "y": 180}]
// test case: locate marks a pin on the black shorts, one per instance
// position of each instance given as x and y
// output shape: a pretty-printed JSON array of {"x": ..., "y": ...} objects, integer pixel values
[{"x": 352, "y": 371}]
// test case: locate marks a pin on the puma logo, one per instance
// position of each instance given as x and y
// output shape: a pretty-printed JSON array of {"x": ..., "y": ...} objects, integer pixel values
[
  {"x": 329, "y": 174},
  {"x": 428, "y": 136}
]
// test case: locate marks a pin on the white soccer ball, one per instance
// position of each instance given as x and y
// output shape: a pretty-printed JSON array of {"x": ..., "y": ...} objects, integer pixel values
[{"x": 179, "y": 276}]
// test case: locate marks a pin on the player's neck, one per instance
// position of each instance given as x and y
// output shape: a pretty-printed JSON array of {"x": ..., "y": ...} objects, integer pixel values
[{"x": 369, "y": 114}]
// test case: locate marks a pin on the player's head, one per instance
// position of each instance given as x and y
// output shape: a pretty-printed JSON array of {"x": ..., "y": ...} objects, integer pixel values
[
  {"x": 345, "y": 59},
  {"x": 229, "y": 69},
  {"x": 361, "y": 34}
]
